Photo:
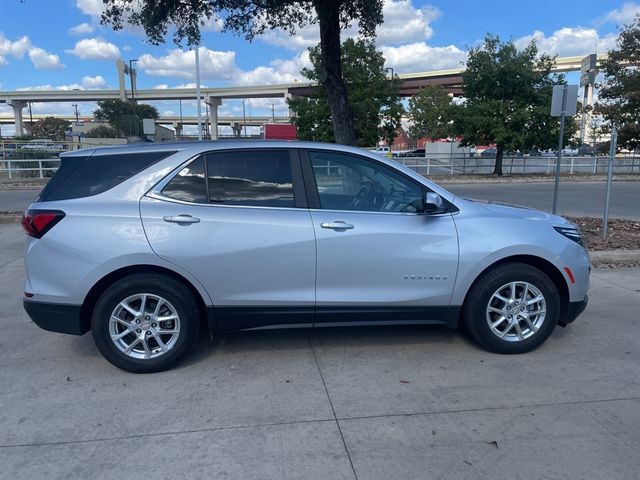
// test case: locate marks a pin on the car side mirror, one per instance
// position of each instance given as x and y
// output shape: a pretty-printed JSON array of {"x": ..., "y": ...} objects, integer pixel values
[{"x": 434, "y": 204}]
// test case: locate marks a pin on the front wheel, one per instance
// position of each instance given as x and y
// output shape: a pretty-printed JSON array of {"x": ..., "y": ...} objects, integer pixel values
[
  {"x": 145, "y": 323},
  {"x": 512, "y": 308}
]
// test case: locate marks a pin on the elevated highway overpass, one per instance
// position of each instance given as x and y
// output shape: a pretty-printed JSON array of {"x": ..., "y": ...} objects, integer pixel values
[{"x": 410, "y": 83}]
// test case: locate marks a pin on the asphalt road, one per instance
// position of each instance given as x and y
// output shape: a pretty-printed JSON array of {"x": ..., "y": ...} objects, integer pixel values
[
  {"x": 354, "y": 403},
  {"x": 575, "y": 198}
]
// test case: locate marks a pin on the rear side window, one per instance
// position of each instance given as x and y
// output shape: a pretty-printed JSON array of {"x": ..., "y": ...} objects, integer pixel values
[
  {"x": 85, "y": 176},
  {"x": 247, "y": 178},
  {"x": 254, "y": 178},
  {"x": 188, "y": 185}
]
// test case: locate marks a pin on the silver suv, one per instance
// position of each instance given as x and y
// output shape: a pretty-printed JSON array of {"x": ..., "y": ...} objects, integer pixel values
[{"x": 143, "y": 244}]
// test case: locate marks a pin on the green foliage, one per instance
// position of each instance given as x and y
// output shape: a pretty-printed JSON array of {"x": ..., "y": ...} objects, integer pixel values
[
  {"x": 432, "y": 113},
  {"x": 373, "y": 99},
  {"x": 51, "y": 128},
  {"x": 125, "y": 117},
  {"x": 508, "y": 99},
  {"x": 251, "y": 18},
  {"x": 619, "y": 95},
  {"x": 247, "y": 17},
  {"x": 102, "y": 131}
]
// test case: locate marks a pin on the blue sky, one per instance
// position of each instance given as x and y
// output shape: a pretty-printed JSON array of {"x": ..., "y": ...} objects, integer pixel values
[{"x": 61, "y": 44}]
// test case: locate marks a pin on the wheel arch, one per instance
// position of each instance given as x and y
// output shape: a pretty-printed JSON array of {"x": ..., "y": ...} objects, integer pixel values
[
  {"x": 541, "y": 264},
  {"x": 101, "y": 285}
]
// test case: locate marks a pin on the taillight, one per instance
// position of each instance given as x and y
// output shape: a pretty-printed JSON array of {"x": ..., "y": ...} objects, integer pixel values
[{"x": 38, "y": 222}]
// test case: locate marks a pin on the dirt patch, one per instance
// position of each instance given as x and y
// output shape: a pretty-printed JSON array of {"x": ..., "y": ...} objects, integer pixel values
[{"x": 623, "y": 234}]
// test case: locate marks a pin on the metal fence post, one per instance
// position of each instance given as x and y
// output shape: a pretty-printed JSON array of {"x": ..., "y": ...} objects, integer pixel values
[
  {"x": 464, "y": 162},
  {"x": 428, "y": 166},
  {"x": 548, "y": 165},
  {"x": 595, "y": 164},
  {"x": 40, "y": 168},
  {"x": 9, "y": 167},
  {"x": 571, "y": 169}
]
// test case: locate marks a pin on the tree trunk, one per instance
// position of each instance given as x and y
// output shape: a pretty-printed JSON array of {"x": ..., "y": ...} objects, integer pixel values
[
  {"x": 497, "y": 169},
  {"x": 331, "y": 72}
]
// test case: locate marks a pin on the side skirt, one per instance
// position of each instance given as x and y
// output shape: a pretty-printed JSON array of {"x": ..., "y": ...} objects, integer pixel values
[{"x": 267, "y": 317}]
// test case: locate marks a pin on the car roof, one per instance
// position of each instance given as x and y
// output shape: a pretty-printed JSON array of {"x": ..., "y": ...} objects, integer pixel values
[{"x": 201, "y": 146}]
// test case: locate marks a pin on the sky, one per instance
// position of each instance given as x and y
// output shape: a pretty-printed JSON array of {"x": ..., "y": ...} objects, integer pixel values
[{"x": 60, "y": 44}]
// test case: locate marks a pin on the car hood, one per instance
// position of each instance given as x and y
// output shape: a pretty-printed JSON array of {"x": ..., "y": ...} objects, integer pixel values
[{"x": 518, "y": 211}]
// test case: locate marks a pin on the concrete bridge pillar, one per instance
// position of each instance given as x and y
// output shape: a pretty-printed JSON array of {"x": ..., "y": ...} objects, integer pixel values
[
  {"x": 177, "y": 126},
  {"x": 213, "y": 103},
  {"x": 18, "y": 105},
  {"x": 288, "y": 97},
  {"x": 237, "y": 129}
]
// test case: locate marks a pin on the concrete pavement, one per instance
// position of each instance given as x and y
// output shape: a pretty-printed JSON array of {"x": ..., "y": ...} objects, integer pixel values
[{"x": 366, "y": 403}]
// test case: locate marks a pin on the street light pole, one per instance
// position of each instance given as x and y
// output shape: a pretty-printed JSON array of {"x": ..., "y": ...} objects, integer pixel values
[
  {"x": 198, "y": 106},
  {"x": 132, "y": 74}
]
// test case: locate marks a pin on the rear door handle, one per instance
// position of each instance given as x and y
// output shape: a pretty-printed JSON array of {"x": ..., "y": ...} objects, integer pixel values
[
  {"x": 181, "y": 219},
  {"x": 338, "y": 225}
]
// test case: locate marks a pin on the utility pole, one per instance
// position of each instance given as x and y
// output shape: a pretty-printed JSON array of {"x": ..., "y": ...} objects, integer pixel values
[
  {"x": 77, "y": 113},
  {"x": 198, "y": 105}
]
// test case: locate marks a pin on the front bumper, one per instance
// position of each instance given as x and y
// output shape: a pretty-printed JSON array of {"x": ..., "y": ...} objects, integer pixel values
[
  {"x": 57, "y": 317},
  {"x": 575, "y": 309}
]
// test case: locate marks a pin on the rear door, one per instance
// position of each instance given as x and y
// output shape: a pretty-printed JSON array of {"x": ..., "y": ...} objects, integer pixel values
[
  {"x": 378, "y": 257},
  {"x": 245, "y": 233}
]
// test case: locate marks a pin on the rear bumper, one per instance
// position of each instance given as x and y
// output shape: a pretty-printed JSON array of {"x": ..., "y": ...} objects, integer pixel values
[
  {"x": 57, "y": 317},
  {"x": 575, "y": 309}
]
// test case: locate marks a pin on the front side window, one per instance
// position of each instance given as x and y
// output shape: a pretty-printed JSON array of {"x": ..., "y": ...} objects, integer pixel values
[
  {"x": 251, "y": 178},
  {"x": 348, "y": 182}
]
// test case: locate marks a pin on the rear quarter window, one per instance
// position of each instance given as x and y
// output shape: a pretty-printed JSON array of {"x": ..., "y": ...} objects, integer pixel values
[{"x": 85, "y": 176}]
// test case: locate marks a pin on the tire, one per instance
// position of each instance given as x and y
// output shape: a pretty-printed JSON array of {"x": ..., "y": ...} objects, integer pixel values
[
  {"x": 159, "y": 337},
  {"x": 508, "y": 327}
]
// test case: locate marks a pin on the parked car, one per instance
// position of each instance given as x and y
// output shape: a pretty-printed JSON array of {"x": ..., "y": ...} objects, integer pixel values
[
  {"x": 43, "y": 145},
  {"x": 489, "y": 152},
  {"x": 142, "y": 244},
  {"x": 416, "y": 152}
]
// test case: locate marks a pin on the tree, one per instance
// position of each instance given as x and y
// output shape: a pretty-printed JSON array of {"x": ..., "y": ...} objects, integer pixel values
[
  {"x": 125, "y": 117},
  {"x": 508, "y": 98},
  {"x": 51, "y": 128},
  {"x": 254, "y": 17},
  {"x": 102, "y": 131},
  {"x": 619, "y": 95},
  {"x": 376, "y": 106},
  {"x": 431, "y": 113}
]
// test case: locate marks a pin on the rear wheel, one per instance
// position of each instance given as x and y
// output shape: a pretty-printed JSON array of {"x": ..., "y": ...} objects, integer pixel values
[
  {"x": 145, "y": 323},
  {"x": 512, "y": 308}
]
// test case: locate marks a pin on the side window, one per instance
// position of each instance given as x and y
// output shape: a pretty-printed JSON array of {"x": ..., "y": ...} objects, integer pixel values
[
  {"x": 349, "y": 182},
  {"x": 189, "y": 184},
  {"x": 250, "y": 178}
]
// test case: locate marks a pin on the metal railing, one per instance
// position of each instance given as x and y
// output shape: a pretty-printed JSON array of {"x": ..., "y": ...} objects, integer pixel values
[
  {"x": 31, "y": 158},
  {"x": 466, "y": 164}
]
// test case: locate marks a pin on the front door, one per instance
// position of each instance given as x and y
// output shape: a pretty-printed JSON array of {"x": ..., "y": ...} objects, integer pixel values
[
  {"x": 379, "y": 257},
  {"x": 231, "y": 219}
]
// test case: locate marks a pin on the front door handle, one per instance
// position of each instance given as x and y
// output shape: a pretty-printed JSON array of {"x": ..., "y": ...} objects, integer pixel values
[
  {"x": 338, "y": 225},
  {"x": 181, "y": 219}
]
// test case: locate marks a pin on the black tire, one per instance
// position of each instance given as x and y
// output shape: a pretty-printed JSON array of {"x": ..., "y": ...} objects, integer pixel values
[
  {"x": 164, "y": 286},
  {"x": 477, "y": 302}
]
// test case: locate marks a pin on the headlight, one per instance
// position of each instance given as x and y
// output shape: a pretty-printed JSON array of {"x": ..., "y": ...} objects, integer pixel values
[{"x": 571, "y": 232}]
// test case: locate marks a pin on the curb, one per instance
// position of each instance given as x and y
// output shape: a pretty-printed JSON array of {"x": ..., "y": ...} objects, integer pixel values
[
  {"x": 614, "y": 256},
  {"x": 6, "y": 218}
]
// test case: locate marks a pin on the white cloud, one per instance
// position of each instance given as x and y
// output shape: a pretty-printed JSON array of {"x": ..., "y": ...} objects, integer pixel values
[
  {"x": 570, "y": 41},
  {"x": 623, "y": 15},
  {"x": 43, "y": 60},
  {"x": 419, "y": 56},
  {"x": 93, "y": 83},
  {"x": 278, "y": 71},
  {"x": 403, "y": 22},
  {"x": 90, "y": 7},
  {"x": 95, "y": 49},
  {"x": 214, "y": 65},
  {"x": 16, "y": 48},
  {"x": 82, "y": 29}
]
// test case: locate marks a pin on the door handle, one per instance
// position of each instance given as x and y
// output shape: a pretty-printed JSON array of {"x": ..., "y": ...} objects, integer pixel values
[
  {"x": 338, "y": 225},
  {"x": 181, "y": 219}
]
